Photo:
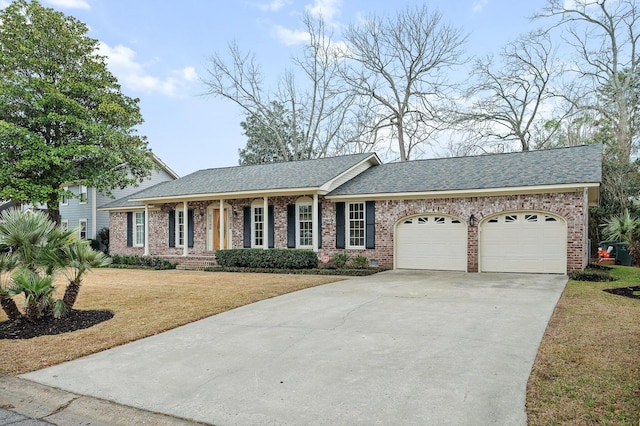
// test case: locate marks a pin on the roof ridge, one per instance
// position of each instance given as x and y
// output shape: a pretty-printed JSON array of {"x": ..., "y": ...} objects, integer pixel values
[
  {"x": 359, "y": 154},
  {"x": 496, "y": 154}
]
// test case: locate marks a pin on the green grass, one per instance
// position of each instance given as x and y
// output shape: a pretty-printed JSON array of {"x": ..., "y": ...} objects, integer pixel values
[{"x": 588, "y": 367}]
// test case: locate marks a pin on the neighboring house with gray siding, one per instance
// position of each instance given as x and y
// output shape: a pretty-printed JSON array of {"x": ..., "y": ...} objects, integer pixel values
[
  {"x": 81, "y": 210},
  {"x": 513, "y": 212}
]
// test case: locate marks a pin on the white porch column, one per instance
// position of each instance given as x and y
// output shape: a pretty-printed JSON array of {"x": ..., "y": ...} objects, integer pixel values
[
  {"x": 146, "y": 230},
  {"x": 314, "y": 225},
  {"x": 222, "y": 225},
  {"x": 94, "y": 213},
  {"x": 185, "y": 229},
  {"x": 265, "y": 225}
]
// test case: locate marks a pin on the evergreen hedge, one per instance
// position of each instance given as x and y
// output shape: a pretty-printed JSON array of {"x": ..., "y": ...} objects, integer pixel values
[{"x": 269, "y": 259}]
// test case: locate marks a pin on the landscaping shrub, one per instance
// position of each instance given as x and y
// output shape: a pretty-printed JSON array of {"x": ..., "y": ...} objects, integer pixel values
[
  {"x": 340, "y": 260},
  {"x": 158, "y": 263},
  {"x": 359, "y": 262},
  {"x": 271, "y": 259},
  {"x": 596, "y": 275}
]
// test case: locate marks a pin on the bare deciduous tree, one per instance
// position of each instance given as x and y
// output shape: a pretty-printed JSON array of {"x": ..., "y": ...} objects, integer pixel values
[
  {"x": 604, "y": 35},
  {"x": 315, "y": 109},
  {"x": 399, "y": 64},
  {"x": 512, "y": 95}
]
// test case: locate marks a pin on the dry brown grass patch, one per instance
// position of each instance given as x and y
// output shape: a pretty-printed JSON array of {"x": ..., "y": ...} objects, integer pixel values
[
  {"x": 587, "y": 370},
  {"x": 146, "y": 303}
]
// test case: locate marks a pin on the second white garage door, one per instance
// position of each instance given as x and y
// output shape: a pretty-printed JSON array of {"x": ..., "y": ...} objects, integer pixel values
[
  {"x": 431, "y": 242},
  {"x": 524, "y": 242}
]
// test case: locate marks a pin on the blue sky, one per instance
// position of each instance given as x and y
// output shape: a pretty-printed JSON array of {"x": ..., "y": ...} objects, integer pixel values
[{"x": 158, "y": 50}]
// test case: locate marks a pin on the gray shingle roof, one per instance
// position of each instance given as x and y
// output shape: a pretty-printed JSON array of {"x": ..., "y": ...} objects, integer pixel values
[
  {"x": 264, "y": 177},
  {"x": 580, "y": 164}
]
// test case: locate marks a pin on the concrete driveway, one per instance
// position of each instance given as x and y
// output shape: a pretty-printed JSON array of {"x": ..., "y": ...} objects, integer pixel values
[{"x": 400, "y": 347}]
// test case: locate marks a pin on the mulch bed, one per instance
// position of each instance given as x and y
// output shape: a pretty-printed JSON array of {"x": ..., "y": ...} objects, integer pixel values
[
  {"x": 625, "y": 291},
  {"x": 74, "y": 320}
]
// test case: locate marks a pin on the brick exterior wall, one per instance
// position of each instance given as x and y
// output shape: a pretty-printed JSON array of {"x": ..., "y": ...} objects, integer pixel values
[{"x": 571, "y": 206}]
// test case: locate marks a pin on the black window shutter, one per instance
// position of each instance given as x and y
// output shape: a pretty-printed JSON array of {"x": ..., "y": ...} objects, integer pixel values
[
  {"x": 271, "y": 227},
  {"x": 190, "y": 228},
  {"x": 247, "y": 227},
  {"x": 339, "y": 225},
  {"x": 129, "y": 229},
  {"x": 370, "y": 222},
  {"x": 172, "y": 228},
  {"x": 291, "y": 226},
  {"x": 319, "y": 224}
]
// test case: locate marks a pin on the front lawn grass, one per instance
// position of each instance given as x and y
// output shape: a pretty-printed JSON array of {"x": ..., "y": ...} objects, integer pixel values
[
  {"x": 145, "y": 303},
  {"x": 588, "y": 366}
]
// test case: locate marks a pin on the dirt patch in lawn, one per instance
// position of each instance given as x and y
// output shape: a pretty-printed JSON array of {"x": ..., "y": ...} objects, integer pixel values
[{"x": 144, "y": 303}]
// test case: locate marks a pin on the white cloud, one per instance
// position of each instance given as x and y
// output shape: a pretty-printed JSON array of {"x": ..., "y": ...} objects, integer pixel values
[
  {"x": 4, "y": 3},
  {"x": 274, "y": 5},
  {"x": 328, "y": 9},
  {"x": 70, "y": 4},
  {"x": 479, "y": 5},
  {"x": 289, "y": 37},
  {"x": 132, "y": 75}
]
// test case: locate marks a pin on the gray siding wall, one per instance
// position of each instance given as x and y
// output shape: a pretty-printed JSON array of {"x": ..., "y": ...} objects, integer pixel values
[{"x": 75, "y": 211}]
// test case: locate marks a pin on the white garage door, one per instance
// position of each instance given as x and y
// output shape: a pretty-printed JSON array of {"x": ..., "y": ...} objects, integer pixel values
[
  {"x": 523, "y": 242},
  {"x": 431, "y": 242}
]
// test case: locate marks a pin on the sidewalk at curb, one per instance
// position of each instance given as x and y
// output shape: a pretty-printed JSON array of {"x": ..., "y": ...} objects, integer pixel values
[{"x": 59, "y": 407}]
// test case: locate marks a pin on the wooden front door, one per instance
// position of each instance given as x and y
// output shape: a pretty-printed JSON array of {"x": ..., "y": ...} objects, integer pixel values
[{"x": 216, "y": 230}]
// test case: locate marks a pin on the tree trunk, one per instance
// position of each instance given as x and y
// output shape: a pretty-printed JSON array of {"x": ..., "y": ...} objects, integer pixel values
[
  {"x": 9, "y": 307},
  {"x": 53, "y": 208},
  {"x": 32, "y": 312},
  {"x": 70, "y": 295}
]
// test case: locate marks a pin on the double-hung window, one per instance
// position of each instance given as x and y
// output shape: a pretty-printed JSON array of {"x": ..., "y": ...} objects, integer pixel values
[
  {"x": 179, "y": 227},
  {"x": 64, "y": 224},
  {"x": 83, "y": 194},
  {"x": 305, "y": 224},
  {"x": 82, "y": 232},
  {"x": 139, "y": 229},
  {"x": 65, "y": 198},
  {"x": 356, "y": 225},
  {"x": 257, "y": 226}
]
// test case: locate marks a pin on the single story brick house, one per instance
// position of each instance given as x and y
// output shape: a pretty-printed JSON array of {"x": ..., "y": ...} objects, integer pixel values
[{"x": 513, "y": 212}]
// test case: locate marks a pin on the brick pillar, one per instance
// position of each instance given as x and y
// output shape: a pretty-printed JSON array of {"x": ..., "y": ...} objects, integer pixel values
[{"x": 472, "y": 248}]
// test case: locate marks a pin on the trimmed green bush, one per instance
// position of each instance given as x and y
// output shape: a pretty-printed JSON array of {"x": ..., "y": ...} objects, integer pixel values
[
  {"x": 595, "y": 275},
  {"x": 158, "y": 263},
  {"x": 340, "y": 260},
  {"x": 271, "y": 259},
  {"x": 359, "y": 262}
]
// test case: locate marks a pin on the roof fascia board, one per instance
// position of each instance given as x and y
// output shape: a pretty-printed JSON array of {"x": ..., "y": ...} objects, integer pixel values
[
  {"x": 469, "y": 193},
  {"x": 231, "y": 195}
]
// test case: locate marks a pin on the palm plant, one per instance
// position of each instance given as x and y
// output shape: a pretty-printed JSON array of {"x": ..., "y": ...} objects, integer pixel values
[
  {"x": 624, "y": 228},
  {"x": 27, "y": 239},
  {"x": 7, "y": 265},
  {"x": 38, "y": 294},
  {"x": 74, "y": 260}
]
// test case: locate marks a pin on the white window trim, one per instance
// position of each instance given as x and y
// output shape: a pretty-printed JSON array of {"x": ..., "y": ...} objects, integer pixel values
[
  {"x": 257, "y": 204},
  {"x": 136, "y": 242},
  {"x": 64, "y": 223},
  {"x": 83, "y": 190},
  {"x": 86, "y": 229},
  {"x": 348, "y": 225},
  {"x": 65, "y": 198},
  {"x": 303, "y": 202},
  {"x": 179, "y": 212}
]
